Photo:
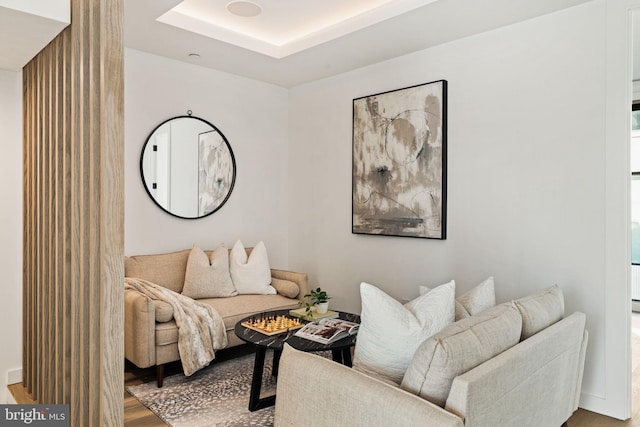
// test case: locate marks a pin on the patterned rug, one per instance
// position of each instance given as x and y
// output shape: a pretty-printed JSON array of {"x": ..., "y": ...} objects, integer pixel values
[{"x": 218, "y": 395}]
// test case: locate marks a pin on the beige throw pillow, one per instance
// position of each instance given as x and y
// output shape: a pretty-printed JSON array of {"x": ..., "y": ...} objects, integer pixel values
[
  {"x": 540, "y": 310},
  {"x": 208, "y": 276},
  {"x": 459, "y": 348},
  {"x": 285, "y": 288},
  {"x": 474, "y": 301}
]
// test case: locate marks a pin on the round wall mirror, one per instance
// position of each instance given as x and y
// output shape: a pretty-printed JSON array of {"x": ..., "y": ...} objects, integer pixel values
[{"x": 188, "y": 167}]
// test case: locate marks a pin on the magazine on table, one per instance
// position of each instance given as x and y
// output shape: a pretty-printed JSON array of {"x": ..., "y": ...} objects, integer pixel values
[{"x": 326, "y": 331}]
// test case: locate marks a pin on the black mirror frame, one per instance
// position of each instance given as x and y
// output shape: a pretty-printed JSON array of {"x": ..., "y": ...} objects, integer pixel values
[{"x": 233, "y": 163}]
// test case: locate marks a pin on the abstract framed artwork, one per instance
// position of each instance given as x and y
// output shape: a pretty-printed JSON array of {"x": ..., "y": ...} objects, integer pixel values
[
  {"x": 399, "y": 176},
  {"x": 216, "y": 171}
]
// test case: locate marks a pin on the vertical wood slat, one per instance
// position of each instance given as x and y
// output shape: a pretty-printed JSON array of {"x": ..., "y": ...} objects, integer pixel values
[
  {"x": 49, "y": 209},
  {"x": 39, "y": 294},
  {"x": 112, "y": 250},
  {"x": 77, "y": 409},
  {"x": 27, "y": 345},
  {"x": 73, "y": 217}
]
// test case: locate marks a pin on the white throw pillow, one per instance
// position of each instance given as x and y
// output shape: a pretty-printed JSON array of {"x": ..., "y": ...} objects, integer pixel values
[
  {"x": 475, "y": 301},
  {"x": 390, "y": 332},
  {"x": 208, "y": 276},
  {"x": 252, "y": 274}
]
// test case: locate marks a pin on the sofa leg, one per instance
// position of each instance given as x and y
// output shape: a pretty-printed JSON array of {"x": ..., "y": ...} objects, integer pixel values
[{"x": 160, "y": 374}]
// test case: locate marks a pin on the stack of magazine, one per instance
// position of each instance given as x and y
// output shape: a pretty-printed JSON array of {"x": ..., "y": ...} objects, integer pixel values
[{"x": 326, "y": 331}]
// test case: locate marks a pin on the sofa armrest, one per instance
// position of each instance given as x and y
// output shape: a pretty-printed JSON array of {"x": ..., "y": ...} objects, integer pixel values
[
  {"x": 300, "y": 279},
  {"x": 547, "y": 365},
  {"x": 315, "y": 391},
  {"x": 139, "y": 329}
]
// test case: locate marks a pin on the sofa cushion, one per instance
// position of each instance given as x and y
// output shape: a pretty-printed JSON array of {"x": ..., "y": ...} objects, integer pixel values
[
  {"x": 166, "y": 333},
  {"x": 164, "y": 311},
  {"x": 237, "y": 308},
  {"x": 164, "y": 269},
  {"x": 540, "y": 310},
  {"x": 474, "y": 301},
  {"x": 251, "y": 274},
  {"x": 390, "y": 332},
  {"x": 232, "y": 311},
  {"x": 459, "y": 348},
  {"x": 207, "y": 275},
  {"x": 285, "y": 287}
]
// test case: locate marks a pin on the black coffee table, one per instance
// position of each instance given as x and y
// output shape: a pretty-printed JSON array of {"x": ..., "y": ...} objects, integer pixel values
[{"x": 341, "y": 351}]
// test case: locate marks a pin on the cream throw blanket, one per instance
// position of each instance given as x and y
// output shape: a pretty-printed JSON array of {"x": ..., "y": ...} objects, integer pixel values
[{"x": 200, "y": 327}]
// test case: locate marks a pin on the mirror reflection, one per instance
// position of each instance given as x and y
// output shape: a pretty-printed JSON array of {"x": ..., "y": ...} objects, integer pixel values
[{"x": 188, "y": 167}]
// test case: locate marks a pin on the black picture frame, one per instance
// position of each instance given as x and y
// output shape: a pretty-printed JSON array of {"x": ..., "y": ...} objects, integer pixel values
[{"x": 399, "y": 163}]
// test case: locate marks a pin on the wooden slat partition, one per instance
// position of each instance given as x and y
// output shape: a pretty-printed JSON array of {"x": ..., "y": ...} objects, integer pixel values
[{"x": 73, "y": 102}]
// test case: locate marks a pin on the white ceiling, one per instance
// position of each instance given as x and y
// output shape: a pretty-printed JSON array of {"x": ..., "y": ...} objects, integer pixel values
[
  {"x": 292, "y": 42},
  {"x": 283, "y": 27},
  {"x": 26, "y": 26},
  {"x": 287, "y": 45}
]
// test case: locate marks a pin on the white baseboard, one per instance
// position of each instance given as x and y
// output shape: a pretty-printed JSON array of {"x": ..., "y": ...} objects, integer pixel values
[{"x": 14, "y": 376}]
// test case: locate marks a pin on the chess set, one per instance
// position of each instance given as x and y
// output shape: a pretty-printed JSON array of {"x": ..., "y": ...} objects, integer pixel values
[{"x": 273, "y": 325}]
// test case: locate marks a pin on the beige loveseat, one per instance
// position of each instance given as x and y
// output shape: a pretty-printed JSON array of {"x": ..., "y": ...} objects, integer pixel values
[
  {"x": 151, "y": 334},
  {"x": 534, "y": 383}
]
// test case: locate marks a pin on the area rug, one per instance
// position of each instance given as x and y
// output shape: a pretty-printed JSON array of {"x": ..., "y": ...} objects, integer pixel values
[{"x": 218, "y": 395}]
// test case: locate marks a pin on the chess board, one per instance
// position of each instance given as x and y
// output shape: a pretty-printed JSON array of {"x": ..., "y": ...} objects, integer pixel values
[{"x": 273, "y": 325}]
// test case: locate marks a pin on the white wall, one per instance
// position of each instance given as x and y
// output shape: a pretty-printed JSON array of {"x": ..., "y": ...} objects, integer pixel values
[
  {"x": 10, "y": 225},
  {"x": 253, "y": 117},
  {"x": 527, "y": 177},
  {"x": 529, "y": 186},
  {"x": 59, "y": 10}
]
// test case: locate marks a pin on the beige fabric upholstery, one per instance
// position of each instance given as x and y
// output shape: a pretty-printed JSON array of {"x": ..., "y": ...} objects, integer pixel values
[
  {"x": 345, "y": 397},
  {"x": 151, "y": 334},
  {"x": 286, "y": 288},
  {"x": 166, "y": 333},
  {"x": 201, "y": 329},
  {"x": 139, "y": 329},
  {"x": 540, "y": 310},
  {"x": 234, "y": 309},
  {"x": 476, "y": 300},
  {"x": 301, "y": 279},
  {"x": 164, "y": 269},
  {"x": 207, "y": 275},
  {"x": 532, "y": 384},
  {"x": 167, "y": 353},
  {"x": 164, "y": 311},
  {"x": 459, "y": 348}
]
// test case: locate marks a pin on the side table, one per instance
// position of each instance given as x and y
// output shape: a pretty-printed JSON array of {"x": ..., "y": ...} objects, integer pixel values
[{"x": 340, "y": 350}]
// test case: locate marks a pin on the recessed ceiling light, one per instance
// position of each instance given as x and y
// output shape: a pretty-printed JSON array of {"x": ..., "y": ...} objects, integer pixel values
[
  {"x": 244, "y": 8},
  {"x": 194, "y": 55}
]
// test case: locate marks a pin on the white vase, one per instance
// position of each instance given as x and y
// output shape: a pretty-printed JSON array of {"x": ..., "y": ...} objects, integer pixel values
[{"x": 322, "y": 307}]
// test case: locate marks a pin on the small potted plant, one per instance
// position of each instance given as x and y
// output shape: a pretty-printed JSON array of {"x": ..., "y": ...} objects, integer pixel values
[{"x": 319, "y": 300}]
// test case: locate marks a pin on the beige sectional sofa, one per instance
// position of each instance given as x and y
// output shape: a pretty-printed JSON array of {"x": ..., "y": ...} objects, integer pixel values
[
  {"x": 534, "y": 382},
  {"x": 151, "y": 334}
]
